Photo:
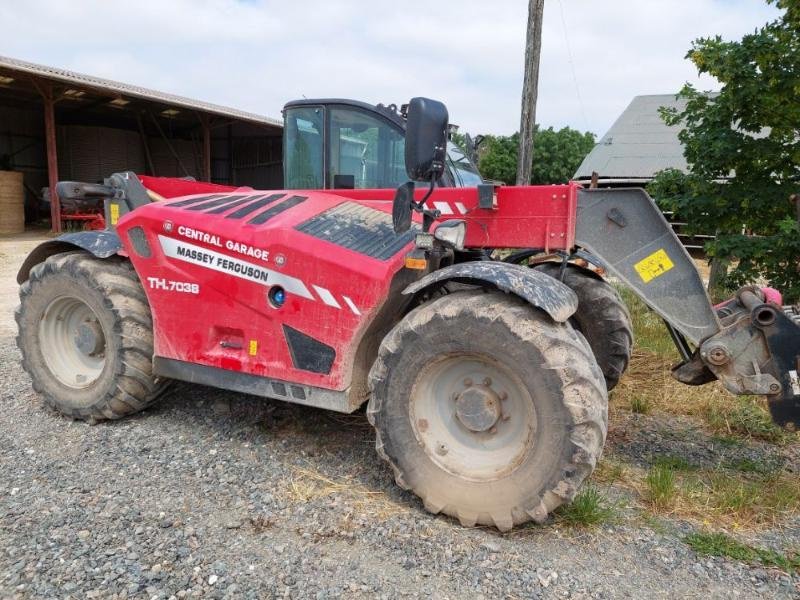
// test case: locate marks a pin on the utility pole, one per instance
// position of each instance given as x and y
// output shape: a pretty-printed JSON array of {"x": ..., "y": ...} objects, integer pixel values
[{"x": 530, "y": 90}]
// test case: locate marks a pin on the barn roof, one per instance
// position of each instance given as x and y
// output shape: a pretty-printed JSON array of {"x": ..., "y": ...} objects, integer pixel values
[
  {"x": 9, "y": 65},
  {"x": 639, "y": 143}
]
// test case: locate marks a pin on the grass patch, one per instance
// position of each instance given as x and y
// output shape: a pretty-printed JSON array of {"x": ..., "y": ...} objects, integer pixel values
[
  {"x": 588, "y": 508},
  {"x": 771, "y": 466},
  {"x": 746, "y": 416},
  {"x": 649, "y": 331},
  {"x": 731, "y": 497},
  {"x": 674, "y": 463},
  {"x": 720, "y": 544},
  {"x": 640, "y": 405},
  {"x": 609, "y": 471},
  {"x": 649, "y": 387},
  {"x": 661, "y": 489}
]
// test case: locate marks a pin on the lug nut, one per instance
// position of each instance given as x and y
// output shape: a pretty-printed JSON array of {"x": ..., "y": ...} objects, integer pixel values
[
  {"x": 506, "y": 417},
  {"x": 468, "y": 382},
  {"x": 487, "y": 381},
  {"x": 493, "y": 430},
  {"x": 441, "y": 450},
  {"x": 503, "y": 395},
  {"x": 774, "y": 388}
]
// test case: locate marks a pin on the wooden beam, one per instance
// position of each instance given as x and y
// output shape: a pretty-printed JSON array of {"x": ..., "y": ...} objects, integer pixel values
[
  {"x": 145, "y": 145},
  {"x": 206, "y": 122},
  {"x": 46, "y": 92},
  {"x": 169, "y": 145}
]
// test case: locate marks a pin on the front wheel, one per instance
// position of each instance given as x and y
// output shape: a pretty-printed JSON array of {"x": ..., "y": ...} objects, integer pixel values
[
  {"x": 487, "y": 409},
  {"x": 86, "y": 337}
]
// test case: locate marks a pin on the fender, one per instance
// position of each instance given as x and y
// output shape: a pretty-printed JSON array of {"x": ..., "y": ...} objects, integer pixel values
[
  {"x": 101, "y": 244},
  {"x": 539, "y": 290}
]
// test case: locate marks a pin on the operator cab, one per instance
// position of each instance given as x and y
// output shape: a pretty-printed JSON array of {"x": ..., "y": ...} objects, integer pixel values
[{"x": 346, "y": 144}]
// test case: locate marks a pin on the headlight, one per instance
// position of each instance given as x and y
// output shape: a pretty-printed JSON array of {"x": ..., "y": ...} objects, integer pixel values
[{"x": 451, "y": 232}]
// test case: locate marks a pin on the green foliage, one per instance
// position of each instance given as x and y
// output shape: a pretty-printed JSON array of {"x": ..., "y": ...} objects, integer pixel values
[
  {"x": 661, "y": 487},
  {"x": 640, "y": 405},
  {"x": 719, "y": 544},
  {"x": 556, "y": 155},
  {"x": 743, "y": 150},
  {"x": 648, "y": 328},
  {"x": 589, "y": 507},
  {"x": 674, "y": 463},
  {"x": 746, "y": 416}
]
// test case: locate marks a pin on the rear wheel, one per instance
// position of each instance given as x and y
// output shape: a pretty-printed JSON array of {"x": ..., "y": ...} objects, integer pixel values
[
  {"x": 487, "y": 409},
  {"x": 602, "y": 317},
  {"x": 85, "y": 334}
]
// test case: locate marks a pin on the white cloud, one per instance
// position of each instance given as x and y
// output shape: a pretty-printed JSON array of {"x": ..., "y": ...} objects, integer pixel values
[{"x": 256, "y": 55}]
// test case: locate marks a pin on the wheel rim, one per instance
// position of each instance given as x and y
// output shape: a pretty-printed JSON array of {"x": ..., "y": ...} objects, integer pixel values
[
  {"x": 473, "y": 417},
  {"x": 73, "y": 342}
]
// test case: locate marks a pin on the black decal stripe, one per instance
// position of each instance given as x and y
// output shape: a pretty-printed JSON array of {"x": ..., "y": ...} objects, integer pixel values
[
  {"x": 218, "y": 202},
  {"x": 232, "y": 205},
  {"x": 275, "y": 210},
  {"x": 190, "y": 201},
  {"x": 246, "y": 210},
  {"x": 308, "y": 354}
]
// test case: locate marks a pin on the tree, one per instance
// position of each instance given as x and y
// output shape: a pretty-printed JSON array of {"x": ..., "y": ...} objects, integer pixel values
[
  {"x": 556, "y": 155},
  {"x": 742, "y": 146}
]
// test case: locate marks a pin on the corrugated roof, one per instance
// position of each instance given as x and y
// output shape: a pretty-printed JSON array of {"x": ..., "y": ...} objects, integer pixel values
[
  {"x": 639, "y": 143},
  {"x": 125, "y": 89}
]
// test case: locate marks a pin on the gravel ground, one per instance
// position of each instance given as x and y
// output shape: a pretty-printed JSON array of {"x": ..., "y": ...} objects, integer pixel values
[{"x": 221, "y": 495}]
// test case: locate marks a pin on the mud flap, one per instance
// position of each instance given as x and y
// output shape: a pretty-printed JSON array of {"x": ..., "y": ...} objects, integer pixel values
[
  {"x": 101, "y": 244},
  {"x": 536, "y": 288}
]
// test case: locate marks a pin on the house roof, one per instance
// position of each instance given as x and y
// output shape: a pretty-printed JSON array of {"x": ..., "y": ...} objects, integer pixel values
[
  {"x": 124, "y": 89},
  {"x": 639, "y": 143}
]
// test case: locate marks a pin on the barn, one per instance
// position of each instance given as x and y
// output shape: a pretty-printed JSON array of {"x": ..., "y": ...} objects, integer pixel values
[{"x": 56, "y": 125}]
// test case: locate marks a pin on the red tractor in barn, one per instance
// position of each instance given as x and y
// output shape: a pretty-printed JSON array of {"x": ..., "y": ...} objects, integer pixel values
[{"x": 486, "y": 381}]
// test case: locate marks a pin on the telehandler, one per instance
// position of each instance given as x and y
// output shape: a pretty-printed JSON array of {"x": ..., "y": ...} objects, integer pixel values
[{"x": 486, "y": 381}]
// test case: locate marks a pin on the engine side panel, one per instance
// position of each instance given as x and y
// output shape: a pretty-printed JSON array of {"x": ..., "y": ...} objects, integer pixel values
[{"x": 208, "y": 264}]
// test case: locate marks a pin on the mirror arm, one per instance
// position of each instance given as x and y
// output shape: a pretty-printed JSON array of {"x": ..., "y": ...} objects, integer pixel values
[{"x": 428, "y": 216}]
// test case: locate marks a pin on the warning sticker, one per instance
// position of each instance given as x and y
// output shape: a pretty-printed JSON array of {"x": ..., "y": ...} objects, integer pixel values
[
  {"x": 654, "y": 265},
  {"x": 114, "y": 210},
  {"x": 253, "y": 348}
]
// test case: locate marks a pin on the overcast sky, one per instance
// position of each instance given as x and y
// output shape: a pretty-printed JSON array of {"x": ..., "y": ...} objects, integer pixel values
[{"x": 258, "y": 54}]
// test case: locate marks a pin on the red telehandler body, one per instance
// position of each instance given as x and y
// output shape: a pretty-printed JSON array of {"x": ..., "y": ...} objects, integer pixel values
[{"x": 486, "y": 381}]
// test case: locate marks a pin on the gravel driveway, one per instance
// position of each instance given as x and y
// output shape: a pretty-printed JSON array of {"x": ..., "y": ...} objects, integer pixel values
[{"x": 221, "y": 495}]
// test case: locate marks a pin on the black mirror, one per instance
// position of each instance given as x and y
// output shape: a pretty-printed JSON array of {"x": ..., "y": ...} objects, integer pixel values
[
  {"x": 426, "y": 139},
  {"x": 401, "y": 208}
]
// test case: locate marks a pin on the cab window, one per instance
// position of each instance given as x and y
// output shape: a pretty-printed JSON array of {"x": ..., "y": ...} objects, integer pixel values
[
  {"x": 367, "y": 148},
  {"x": 464, "y": 171},
  {"x": 303, "y": 144}
]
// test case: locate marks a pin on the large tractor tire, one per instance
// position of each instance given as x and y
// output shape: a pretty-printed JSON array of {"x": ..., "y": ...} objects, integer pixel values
[
  {"x": 602, "y": 318},
  {"x": 487, "y": 409},
  {"x": 86, "y": 337}
]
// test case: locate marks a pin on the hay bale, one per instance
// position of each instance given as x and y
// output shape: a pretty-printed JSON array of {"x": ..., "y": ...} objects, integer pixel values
[{"x": 12, "y": 203}]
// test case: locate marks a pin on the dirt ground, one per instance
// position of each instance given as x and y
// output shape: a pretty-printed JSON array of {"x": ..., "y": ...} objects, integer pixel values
[{"x": 216, "y": 494}]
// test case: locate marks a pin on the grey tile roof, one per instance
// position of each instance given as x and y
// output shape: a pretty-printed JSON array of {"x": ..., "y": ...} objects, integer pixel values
[
  {"x": 639, "y": 143},
  {"x": 124, "y": 89}
]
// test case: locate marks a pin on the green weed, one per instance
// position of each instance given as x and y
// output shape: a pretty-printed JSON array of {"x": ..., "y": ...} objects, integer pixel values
[{"x": 719, "y": 544}]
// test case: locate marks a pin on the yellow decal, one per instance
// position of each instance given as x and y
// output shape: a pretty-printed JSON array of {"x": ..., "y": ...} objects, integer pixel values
[
  {"x": 114, "y": 210},
  {"x": 253, "y": 349},
  {"x": 654, "y": 265}
]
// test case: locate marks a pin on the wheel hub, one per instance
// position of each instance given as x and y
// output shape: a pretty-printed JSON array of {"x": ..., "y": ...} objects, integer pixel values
[
  {"x": 478, "y": 408},
  {"x": 89, "y": 338},
  {"x": 473, "y": 416},
  {"x": 72, "y": 342}
]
